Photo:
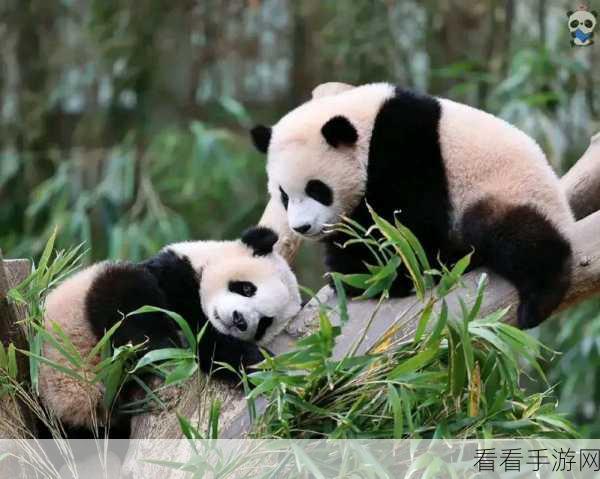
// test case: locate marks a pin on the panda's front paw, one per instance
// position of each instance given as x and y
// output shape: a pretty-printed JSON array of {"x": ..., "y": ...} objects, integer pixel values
[{"x": 251, "y": 355}]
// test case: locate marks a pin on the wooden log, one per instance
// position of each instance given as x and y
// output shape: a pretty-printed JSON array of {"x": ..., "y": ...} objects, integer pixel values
[
  {"x": 12, "y": 272},
  {"x": 16, "y": 421}
]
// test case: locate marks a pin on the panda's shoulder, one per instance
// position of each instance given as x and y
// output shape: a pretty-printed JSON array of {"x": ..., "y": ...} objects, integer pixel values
[
  {"x": 168, "y": 259},
  {"x": 76, "y": 285},
  {"x": 412, "y": 104},
  {"x": 173, "y": 270}
]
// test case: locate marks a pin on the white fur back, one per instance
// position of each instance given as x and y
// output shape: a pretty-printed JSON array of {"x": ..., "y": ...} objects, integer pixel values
[
  {"x": 72, "y": 401},
  {"x": 486, "y": 156}
]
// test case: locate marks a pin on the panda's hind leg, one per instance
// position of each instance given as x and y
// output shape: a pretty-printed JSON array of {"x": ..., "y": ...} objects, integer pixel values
[
  {"x": 120, "y": 289},
  {"x": 523, "y": 246}
]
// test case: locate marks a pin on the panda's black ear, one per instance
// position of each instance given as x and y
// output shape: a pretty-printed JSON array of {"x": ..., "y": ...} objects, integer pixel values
[
  {"x": 595, "y": 13},
  {"x": 569, "y": 13},
  {"x": 261, "y": 137},
  {"x": 339, "y": 131},
  {"x": 260, "y": 239}
]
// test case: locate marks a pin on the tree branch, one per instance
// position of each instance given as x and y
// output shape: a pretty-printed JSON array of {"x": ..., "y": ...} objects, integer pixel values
[
  {"x": 582, "y": 182},
  {"x": 582, "y": 186}
]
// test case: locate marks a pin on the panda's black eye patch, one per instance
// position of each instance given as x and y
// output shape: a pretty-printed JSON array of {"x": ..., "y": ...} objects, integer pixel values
[
  {"x": 285, "y": 199},
  {"x": 319, "y": 191},
  {"x": 588, "y": 23},
  {"x": 574, "y": 24},
  {"x": 244, "y": 288}
]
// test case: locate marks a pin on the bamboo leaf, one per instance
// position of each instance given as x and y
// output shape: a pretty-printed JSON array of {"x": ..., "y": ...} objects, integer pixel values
[
  {"x": 358, "y": 281},
  {"x": 103, "y": 341},
  {"x": 438, "y": 329},
  {"x": 213, "y": 422},
  {"x": 45, "y": 258},
  {"x": 303, "y": 462},
  {"x": 341, "y": 298},
  {"x": 44, "y": 336},
  {"x": 414, "y": 243},
  {"x": 188, "y": 430},
  {"x": 3, "y": 357},
  {"x": 451, "y": 278},
  {"x": 68, "y": 371},
  {"x": 394, "y": 400},
  {"x": 424, "y": 320},
  {"x": 112, "y": 377},
  {"x": 185, "y": 370},
  {"x": 414, "y": 363},
  {"x": 481, "y": 285},
  {"x": 11, "y": 362},
  {"x": 181, "y": 322},
  {"x": 404, "y": 249},
  {"x": 164, "y": 354}
]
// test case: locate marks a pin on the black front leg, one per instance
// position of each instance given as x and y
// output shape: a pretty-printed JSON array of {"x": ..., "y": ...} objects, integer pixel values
[{"x": 218, "y": 347}]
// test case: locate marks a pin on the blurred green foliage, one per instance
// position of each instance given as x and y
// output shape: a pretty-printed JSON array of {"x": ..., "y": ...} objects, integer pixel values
[
  {"x": 575, "y": 372},
  {"x": 124, "y": 123},
  {"x": 128, "y": 205}
]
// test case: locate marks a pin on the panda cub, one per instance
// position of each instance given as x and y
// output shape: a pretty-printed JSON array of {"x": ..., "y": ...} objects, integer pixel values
[
  {"x": 242, "y": 290},
  {"x": 458, "y": 177}
]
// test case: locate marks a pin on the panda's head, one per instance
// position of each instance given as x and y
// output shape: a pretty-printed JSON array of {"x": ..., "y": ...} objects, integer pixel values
[
  {"x": 317, "y": 155},
  {"x": 248, "y": 290},
  {"x": 583, "y": 20}
]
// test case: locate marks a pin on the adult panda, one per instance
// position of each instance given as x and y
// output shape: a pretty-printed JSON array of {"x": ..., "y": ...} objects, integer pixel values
[
  {"x": 458, "y": 177},
  {"x": 242, "y": 290}
]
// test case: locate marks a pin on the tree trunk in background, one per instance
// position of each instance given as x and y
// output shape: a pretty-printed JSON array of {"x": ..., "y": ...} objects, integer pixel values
[
  {"x": 302, "y": 62},
  {"x": 509, "y": 13},
  {"x": 457, "y": 33},
  {"x": 35, "y": 25},
  {"x": 541, "y": 14}
]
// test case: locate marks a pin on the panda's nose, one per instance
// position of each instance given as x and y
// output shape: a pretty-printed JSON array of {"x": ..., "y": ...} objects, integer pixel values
[
  {"x": 302, "y": 229},
  {"x": 239, "y": 321}
]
